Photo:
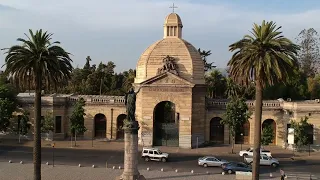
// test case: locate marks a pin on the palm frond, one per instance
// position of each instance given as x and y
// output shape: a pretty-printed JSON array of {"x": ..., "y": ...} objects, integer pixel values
[
  {"x": 265, "y": 55},
  {"x": 37, "y": 56}
]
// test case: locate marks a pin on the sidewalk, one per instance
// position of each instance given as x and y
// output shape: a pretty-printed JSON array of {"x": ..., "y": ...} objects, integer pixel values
[
  {"x": 119, "y": 146},
  {"x": 16, "y": 171}
]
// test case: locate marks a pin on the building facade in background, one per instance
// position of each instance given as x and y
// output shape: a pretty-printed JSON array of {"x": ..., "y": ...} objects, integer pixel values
[{"x": 171, "y": 105}]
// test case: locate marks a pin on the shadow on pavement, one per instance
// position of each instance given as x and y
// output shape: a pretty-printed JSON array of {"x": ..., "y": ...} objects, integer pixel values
[{"x": 180, "y": 176}]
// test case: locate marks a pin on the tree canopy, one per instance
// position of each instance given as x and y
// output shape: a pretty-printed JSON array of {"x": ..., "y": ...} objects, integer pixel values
[
  {"x": 77, "y": 117},
  {"x": 236, "y": 115},
  {"x": 8, "y": 103}
]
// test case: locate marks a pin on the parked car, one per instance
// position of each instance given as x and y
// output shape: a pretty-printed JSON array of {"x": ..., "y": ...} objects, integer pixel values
[
  {"x": 210, "y": 161},
  {"x": 154, "y": 154},
  {"x": 264, "y": 160},
  {"x": 232, "y": 167},
  {"x": 249, "y": 152}
]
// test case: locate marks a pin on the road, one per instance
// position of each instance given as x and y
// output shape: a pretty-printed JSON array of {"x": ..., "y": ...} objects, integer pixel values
[{"x": 182, "y": 162}]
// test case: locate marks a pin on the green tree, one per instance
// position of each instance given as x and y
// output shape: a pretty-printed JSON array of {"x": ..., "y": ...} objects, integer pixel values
[
  {"x": 8, "y": 103},
  {"x": 42, "y": 63},
  {"x": 24, "y": 123},
  {"x": 309, "y": 53},
  {"x": 87, "y": 65},
  {"x": 204, "y": 54},
  {"x": 47, "y": 123},
  {"x": 264, "y": 58},
  {"x": 296, "y": 88},
  {"x": 301, "y": 131},
  {"x": 216, "y": 84},
  {"x": 236, "y": 115},
  {"x": 267, "y": 135},
  {"x": 128, "y": 79},
  {"x": 7, "y": 107},
  {"x": 234, "y": 90},
  {"x": 77, "y": 119},
  {"x": 314, "y": 87}
]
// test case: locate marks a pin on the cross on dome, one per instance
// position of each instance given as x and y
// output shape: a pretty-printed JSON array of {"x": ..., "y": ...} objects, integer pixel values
[{"x": 173, "y": 7}]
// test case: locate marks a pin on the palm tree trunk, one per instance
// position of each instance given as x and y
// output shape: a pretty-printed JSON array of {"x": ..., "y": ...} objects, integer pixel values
[
  {"x": 257, "y": 131},
  {"x": 37, "y": 135}
]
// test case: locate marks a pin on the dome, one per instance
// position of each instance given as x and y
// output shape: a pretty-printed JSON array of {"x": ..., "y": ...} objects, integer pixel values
[
  {"x": 187, "y": 59},
  {"x": 173, "y": 19}
]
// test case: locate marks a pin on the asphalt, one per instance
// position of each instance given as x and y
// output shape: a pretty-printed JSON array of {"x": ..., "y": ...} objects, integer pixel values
[{"x": 182, "y": 162}]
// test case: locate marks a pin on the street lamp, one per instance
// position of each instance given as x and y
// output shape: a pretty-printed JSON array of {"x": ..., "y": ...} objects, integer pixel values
[
  {"x": 91, "y": 138},
  {"x": 53, "y": 144},
  {"x": 241, "y": 141}
]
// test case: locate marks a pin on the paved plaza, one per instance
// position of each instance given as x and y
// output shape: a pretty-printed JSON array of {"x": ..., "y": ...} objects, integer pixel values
[
  {"x": 17, "y": 171},
  {"x": 67, "y": 159}
]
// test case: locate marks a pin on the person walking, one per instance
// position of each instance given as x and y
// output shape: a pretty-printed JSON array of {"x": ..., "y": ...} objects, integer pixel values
[{"x": 282, "y": 174}]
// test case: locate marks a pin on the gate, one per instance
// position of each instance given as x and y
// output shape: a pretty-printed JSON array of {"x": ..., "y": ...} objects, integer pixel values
[{"x": 166, "y": 134}]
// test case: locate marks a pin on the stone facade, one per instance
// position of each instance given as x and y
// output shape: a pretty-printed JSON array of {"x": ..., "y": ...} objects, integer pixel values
[{"x": 282, "y": 112}]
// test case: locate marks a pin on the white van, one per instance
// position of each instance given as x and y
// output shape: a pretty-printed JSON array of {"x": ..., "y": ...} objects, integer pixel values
[{"x": 154, "y": 154}]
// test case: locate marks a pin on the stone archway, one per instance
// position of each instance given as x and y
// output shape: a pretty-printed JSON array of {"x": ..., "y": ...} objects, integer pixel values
[
  {"x": 272, "y": 123},
  {"x": 216, "y": 130},
  {"x": 100, "y": 125},
  {"x": 245, "y": 131},
  {"x": 120, "y": 132},
  {"x": 165, "y": 125}
]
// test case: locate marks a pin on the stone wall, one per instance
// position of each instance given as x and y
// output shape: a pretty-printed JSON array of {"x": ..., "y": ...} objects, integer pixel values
[{"x": 188, "y": 103}]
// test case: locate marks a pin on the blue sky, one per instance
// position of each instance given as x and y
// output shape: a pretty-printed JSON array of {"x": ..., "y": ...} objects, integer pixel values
[{"x": 121, "y": 30}]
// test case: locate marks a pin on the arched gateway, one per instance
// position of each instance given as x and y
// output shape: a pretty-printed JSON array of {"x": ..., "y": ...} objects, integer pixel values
[
  {"x": 100, "y": 125},
  {"x": 165, "y": 125},
  {"x": 171, "y": 70},
  {"x": 120, "y": 131}
]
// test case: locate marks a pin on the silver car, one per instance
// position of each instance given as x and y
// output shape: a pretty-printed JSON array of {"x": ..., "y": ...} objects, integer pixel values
[
  {"x": 210, "y": 161},
  {"x": 264, "y": 160}
]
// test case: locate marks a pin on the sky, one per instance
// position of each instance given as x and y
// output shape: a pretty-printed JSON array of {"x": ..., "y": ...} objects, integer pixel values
[{"x": 120, "y": 30}]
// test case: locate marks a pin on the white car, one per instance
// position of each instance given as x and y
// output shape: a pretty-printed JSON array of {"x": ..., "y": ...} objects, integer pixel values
[
  {"x": 249, "y": 152},
  {"x": 154, "y": 154}
]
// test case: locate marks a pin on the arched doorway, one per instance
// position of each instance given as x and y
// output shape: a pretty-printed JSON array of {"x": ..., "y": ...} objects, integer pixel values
[
  {"x": 272, "y": 124},
  {"x": 165, "y": 125},
  {"x": 216, "y": 130},
  {"x": 100, "y": 125},
  {"x": 245, "y": 131},
  {"x": 120, "y": 132}
]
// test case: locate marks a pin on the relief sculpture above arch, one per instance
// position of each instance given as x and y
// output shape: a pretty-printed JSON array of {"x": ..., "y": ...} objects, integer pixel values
[{"x": 168, "y": 65}]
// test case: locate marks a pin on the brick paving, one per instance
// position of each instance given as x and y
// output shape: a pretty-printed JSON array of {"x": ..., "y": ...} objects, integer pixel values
[{"x": 17, "y": 171}]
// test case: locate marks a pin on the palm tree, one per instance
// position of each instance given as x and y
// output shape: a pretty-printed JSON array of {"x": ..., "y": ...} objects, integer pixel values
[
  {"x": 264, "y": 58},
  {"x": 204, "y": 54},
  {"x": 216, "y": 83},
  {"x": 38, "y": 61}
]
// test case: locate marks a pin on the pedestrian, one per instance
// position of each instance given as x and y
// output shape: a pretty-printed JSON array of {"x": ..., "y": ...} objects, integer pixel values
[{"x": 283, "y": 175}]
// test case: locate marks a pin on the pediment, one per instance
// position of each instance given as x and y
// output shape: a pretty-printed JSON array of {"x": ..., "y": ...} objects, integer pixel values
[{"x": 167, "y": 78}]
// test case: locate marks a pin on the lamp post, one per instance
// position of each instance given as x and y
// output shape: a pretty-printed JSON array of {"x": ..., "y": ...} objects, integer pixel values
[
  {"x": 91, "y": 138},
  {"x": 53, "y": 144},
  {"x": 241, "y": 141}
]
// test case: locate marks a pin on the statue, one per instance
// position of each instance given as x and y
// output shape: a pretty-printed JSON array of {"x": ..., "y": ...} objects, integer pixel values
[
  {"x": 131, "y": 127},
  {"x": 130, "y": 102}
]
